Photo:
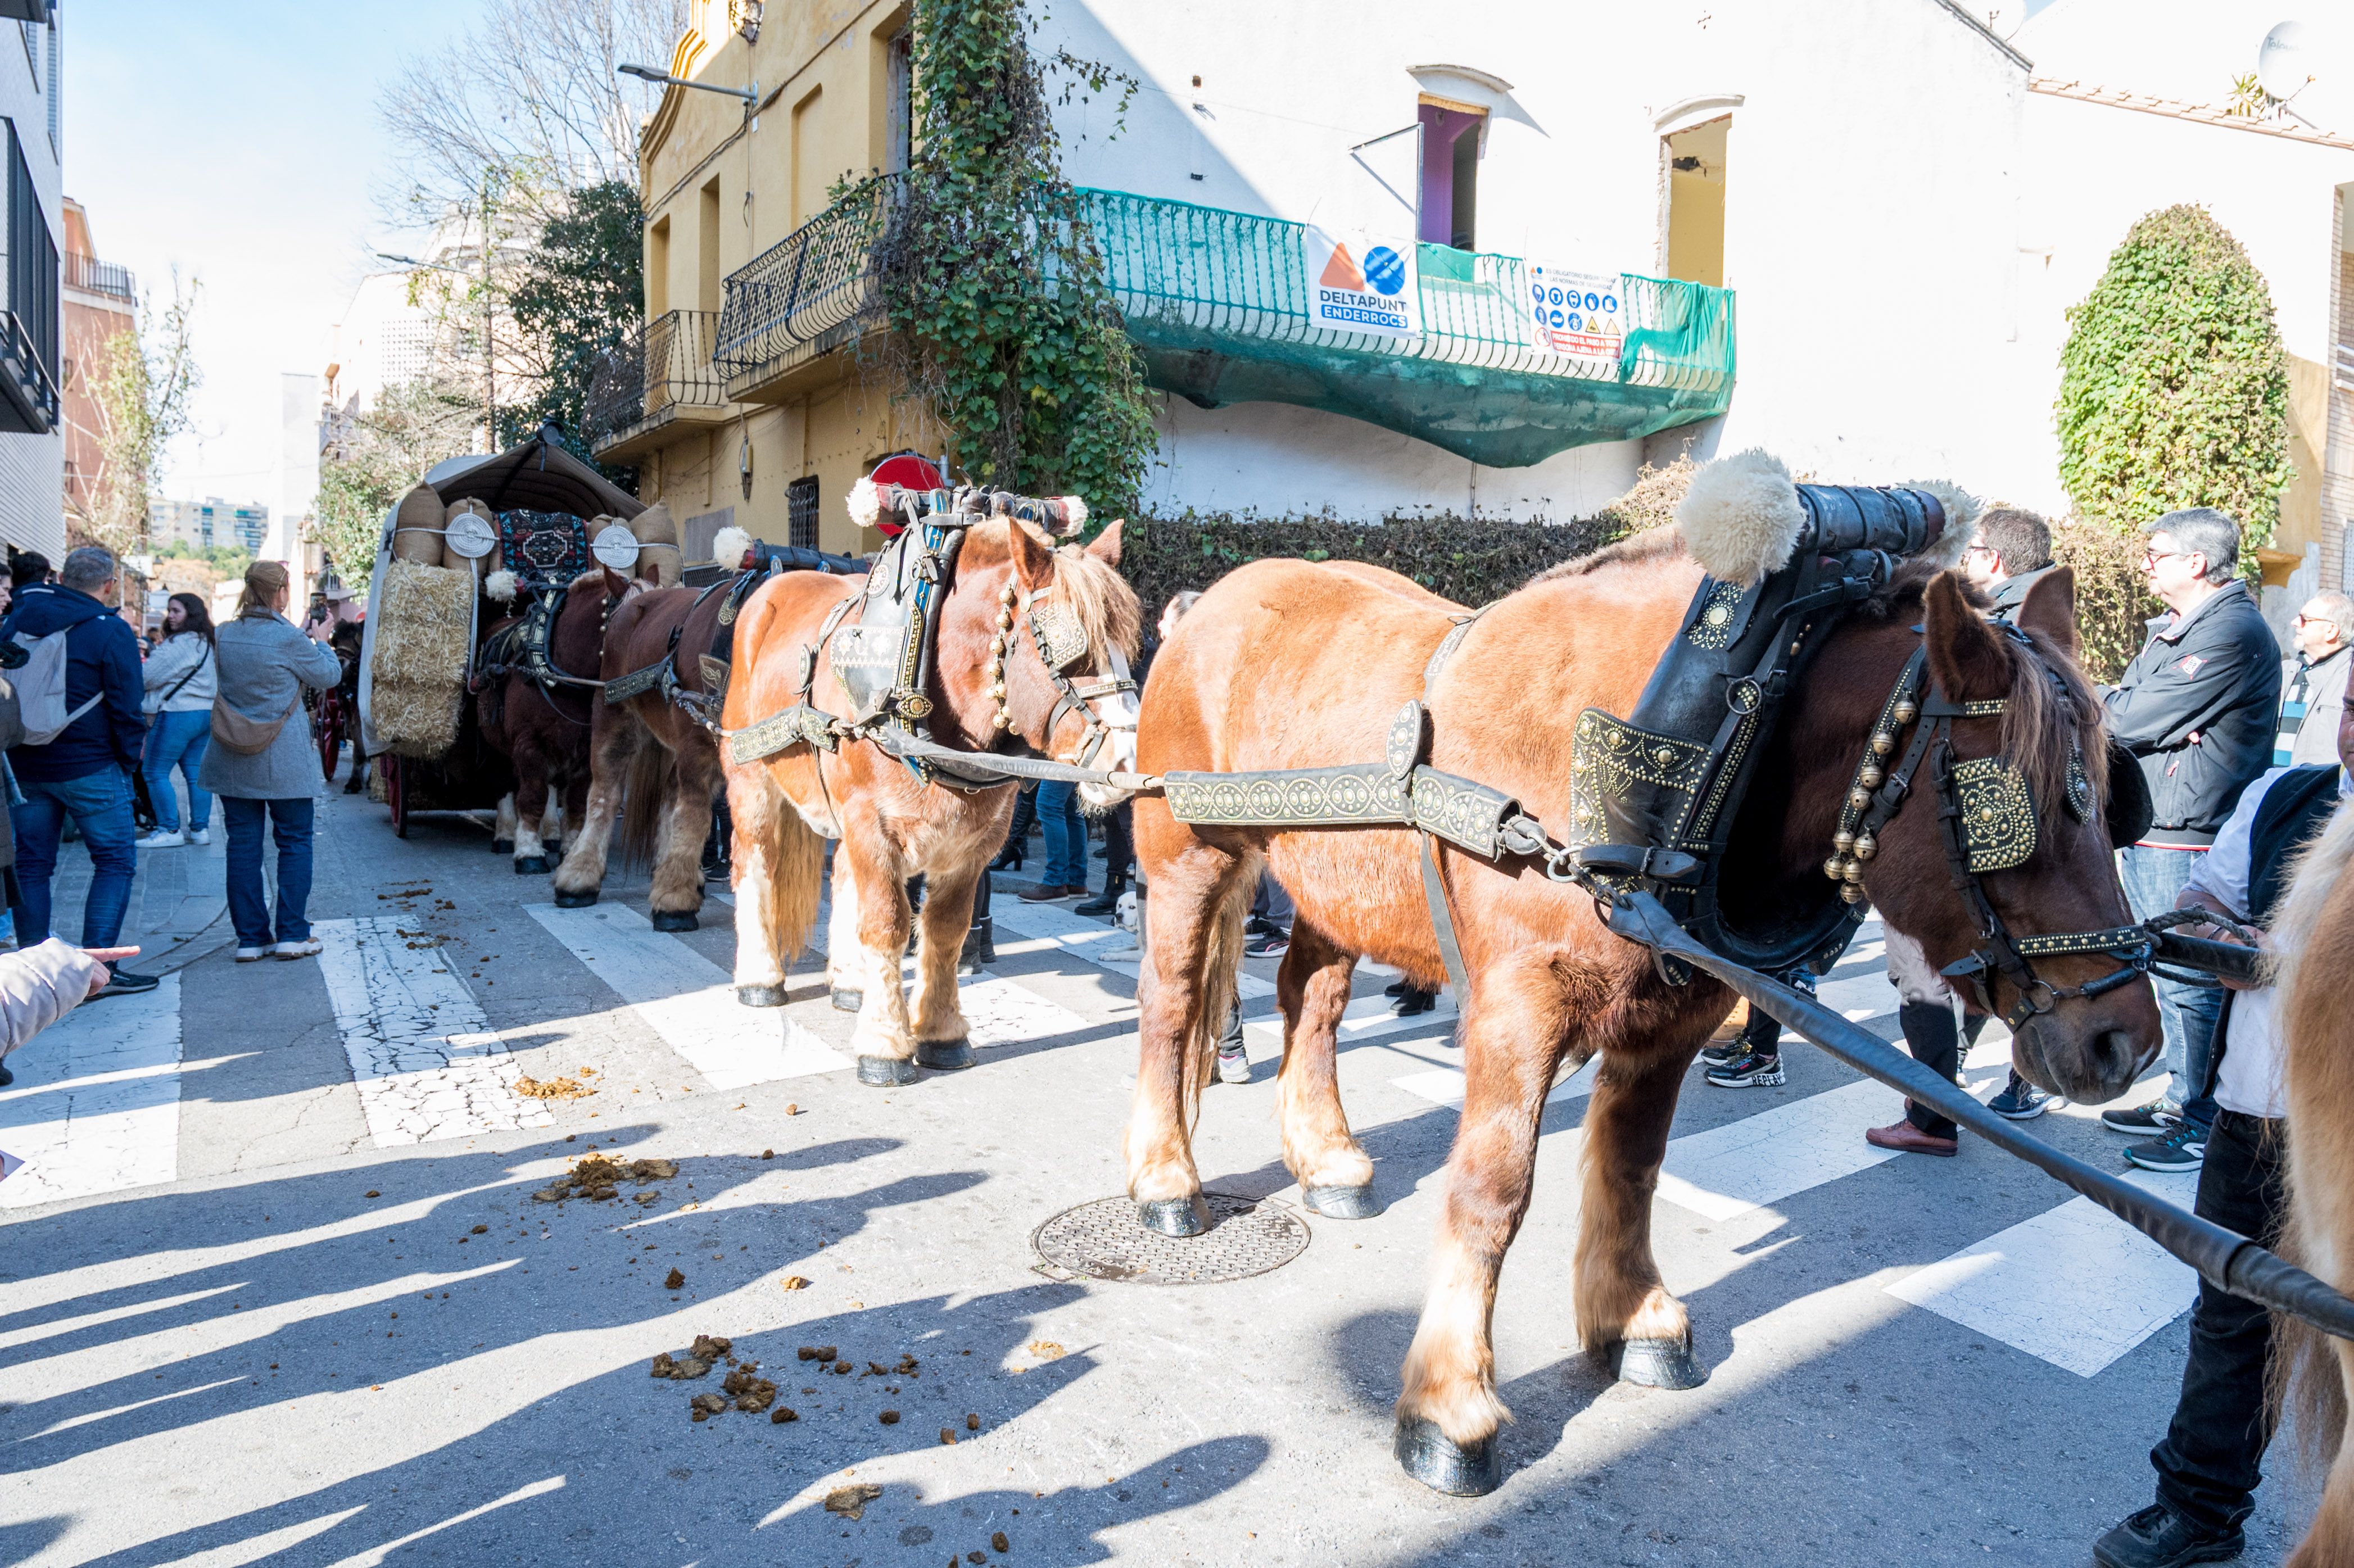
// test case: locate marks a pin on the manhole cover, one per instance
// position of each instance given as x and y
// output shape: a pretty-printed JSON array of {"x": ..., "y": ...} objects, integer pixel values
[{"x": 1103, "y": 1240}]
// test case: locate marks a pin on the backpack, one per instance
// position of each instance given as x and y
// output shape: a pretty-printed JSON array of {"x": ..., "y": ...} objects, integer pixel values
[{"x": 41, "y": 688}]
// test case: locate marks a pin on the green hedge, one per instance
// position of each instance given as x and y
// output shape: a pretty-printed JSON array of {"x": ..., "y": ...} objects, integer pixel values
[{"x": 1470, "y": 560}]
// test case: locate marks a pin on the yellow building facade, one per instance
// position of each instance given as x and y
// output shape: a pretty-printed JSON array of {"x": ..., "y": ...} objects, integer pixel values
[{"x": 765, "y": 432}]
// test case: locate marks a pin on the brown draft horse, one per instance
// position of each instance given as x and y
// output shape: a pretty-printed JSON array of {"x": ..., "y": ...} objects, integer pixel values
[
  {"x": 2315, "y": 935},
  {"x": 890, "y": 826},
  {"x": 655, "y": 770},
  {"x": 1289, "y": 665},
  {"x": 543, "y": 731}
]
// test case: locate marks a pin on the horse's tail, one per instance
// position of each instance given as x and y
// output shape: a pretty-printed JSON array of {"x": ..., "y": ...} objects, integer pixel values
[
  {"x": 1222, "y": 960},
  {"x": 796, "y": 881},
  {"x": 645, "y": 788}
]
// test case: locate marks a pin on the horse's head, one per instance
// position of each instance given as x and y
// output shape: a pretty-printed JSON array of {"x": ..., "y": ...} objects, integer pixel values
[
  {"x": 1976, "y": 861},
  {"x": 1034, "y": 644}
]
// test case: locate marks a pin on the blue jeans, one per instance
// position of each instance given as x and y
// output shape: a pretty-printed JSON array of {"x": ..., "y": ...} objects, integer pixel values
[
  {"x": 178, "y": 740},
  {"x": 1067, "y": 834},
  {"x": 2154, "y": 878},
  {"x": 100, "y": 805},
  {"x": 249, "y": 902}
]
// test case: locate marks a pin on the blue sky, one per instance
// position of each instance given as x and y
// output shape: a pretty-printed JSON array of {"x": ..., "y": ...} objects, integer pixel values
[{"x": 239, "y": 141}]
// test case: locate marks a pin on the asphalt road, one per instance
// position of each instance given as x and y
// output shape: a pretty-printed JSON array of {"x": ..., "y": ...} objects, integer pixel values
[{"x": 276, "y": 1287}]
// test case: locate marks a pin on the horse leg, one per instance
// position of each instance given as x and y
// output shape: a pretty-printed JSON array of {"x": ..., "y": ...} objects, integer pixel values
[
  {"x": 582, "y": 874},
  {"x": 503, "y": 836},
  {"x": 841, "y": 975},
  {"x": 1336, "y": 1179},
  {"x": 881, "y": 921},
  {"x": 1447, "y": 1412},
  {"x": 677, "y": 892},
  {"x": 1195, "y": 906},
  {"x": 528, "y": 806},
  {"x": 1624, "y": 1315},
  {"x": 551, "y": 822},
  {"x": 942, "y": 1040}
]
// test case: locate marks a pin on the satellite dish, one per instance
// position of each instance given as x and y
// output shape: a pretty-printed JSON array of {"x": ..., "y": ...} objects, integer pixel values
[
  {"x": 616, "y": 548},
  {"x": 2288, "y": 60},
  {"x": 471, "y": 536}
]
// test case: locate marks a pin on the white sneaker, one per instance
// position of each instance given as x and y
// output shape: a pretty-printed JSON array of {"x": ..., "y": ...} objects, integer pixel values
[
  {"x": 161, "y": 840},
  {"x": 201, "y": 836},
  {"x": 307, "y": 947},
  {"x": 251, "y": 955}
]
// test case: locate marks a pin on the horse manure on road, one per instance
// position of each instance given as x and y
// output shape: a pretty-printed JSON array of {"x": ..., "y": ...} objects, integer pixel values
[
  {"x": 817, "y": 1353},
  {"x": 795, "y": 1282},
  {"x": 598, "y": 1178},
  {"x": 783, "y": 1414},
  {"x": 850, "y": 1501},
  {"x": 704, "y": 1406},
  {"x": 533, "y": 1088},
  {"x": 752, "y": 1394},
  {"x": 674, "y": 1280}
]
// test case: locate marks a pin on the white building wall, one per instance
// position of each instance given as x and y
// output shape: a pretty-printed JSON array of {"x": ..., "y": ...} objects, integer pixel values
[{"x": 31, "y": 467}]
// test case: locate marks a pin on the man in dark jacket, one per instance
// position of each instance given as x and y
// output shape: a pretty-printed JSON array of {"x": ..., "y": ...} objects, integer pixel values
[
  {"x": 84, "y": 772},
  {"x": 2197, "y": 708}
]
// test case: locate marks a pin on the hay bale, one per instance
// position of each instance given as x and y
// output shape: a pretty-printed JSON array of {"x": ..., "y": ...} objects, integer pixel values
[
  {"x": 451, "y": 559},
  {"x": 658, "y": 554},
  {"x": 417, "y": 527},
  {"x": 423, "y": 628}
]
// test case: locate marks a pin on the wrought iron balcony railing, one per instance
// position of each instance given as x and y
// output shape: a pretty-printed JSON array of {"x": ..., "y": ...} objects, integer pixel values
[
  {"x": 646, "y": 380},
  {"x": 808, "y": 293},
  {"x": 93, "y": 276},
  {"x": 24, "y": 380}
]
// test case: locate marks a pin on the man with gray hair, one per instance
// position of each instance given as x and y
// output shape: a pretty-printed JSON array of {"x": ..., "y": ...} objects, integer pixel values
[
  {"x": 2312, "y": 682},
  {"x": 2198, "y": 708},
  {"x": 83, "y": 770}
]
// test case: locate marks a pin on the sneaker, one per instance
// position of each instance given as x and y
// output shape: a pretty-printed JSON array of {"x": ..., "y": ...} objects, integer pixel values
[
  {"x": 2020, "y": 1100},
  {"x": 2183, "y": 1149},
  {"x": 200, "y": 837},
  {"x": 251, "y": 955},
  {"x": 2157, "y": 1537},
  {"x": 1270, "y": 945},
  {"x": 2152, "y": 1120},
  {"x": 1233, "y": 1067},
  {"x": 1717, "y": 1052},
  {"x": 126, "y": 983},
  {"x": 1750, "y": 1070},
  {"x": 308, "y": 947},
  {"x": 161, "y": 840}
]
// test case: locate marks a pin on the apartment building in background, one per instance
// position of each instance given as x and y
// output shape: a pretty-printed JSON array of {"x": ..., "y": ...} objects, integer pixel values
[
  {"x": 32, "y": 438},
  {"x": 1848, "y": 231},
  {"x": 209, "y": 523},
  {"x": 98, "y": 302}
]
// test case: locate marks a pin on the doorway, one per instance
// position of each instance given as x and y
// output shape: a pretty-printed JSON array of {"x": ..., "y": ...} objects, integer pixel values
[{"x": 1696, "y": 202}]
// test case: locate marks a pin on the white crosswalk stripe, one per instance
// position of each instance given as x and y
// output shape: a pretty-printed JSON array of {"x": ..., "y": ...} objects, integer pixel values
[
  {"x": 424, "y": 1060},
  {"x": 97, "y": 1108},
  {"x": 686, "y": 999}
]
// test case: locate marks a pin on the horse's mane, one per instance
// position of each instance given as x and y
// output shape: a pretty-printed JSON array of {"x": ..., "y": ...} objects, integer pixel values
[
  {"x": 1665, "y": 542},
  {"x": 1102, "y": 600}
]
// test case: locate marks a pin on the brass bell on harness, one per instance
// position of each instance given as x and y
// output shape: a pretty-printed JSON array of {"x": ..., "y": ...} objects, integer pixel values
[
  {"x": 997, "y": 646},
  {"x": 1002, "y": 720},
  {"x": 1859, "y": 797},
  {"x": 997, "y": 694},
  {"x": 1906, "y": 710},
  {"x": 1883, "y": 743},
  {"x": 1836, "y": 868},
  {"x": 1866, "y": 846},
  {"x": 1870, "y": 776},
  {"x": 1004, "y": 621},
  {"x": 1852, "y": 894},
  {"x": 1852, "y": 872},
  {"x": 1842, "y": 841}
]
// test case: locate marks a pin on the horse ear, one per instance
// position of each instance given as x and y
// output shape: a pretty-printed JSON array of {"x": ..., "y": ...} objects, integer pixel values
[
  {"x": 615, "y": 584},
  {"x": 1106, "y": 547},
  {"x": 1966, "y": 657},
  {"x": 1033, "y": 558},
  {"x": 2048, "y": 610}
]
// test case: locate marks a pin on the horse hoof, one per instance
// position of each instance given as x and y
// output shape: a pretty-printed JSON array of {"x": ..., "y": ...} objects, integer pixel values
[
  {"x": 1175, "y": 1217},
  {"x": 761, "y": 995},
  {"x": 944, "y": 1056},
  {"x": 1655, "y": 1363},
  {"x": 1342, "y": 1203},
  {"x": 847, "y": 1000},
  {"x": 1430, "y": 1456},
  {"x": 502, "y": 846},
  {"x": 675, "y": 920},
  {"x": 886, "y": 1072},
  {"x": 532, "y": 865},
  {"x": 575, "y": 900}
]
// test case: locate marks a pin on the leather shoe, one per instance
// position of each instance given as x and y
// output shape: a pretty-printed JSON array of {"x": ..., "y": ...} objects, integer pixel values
[
  {"x": 1047, "y": 892},
  {"x": 1906, "y": 1138},
  {"x": 1104, "y": 903},
  {"x": 2157, "y": 1537}
]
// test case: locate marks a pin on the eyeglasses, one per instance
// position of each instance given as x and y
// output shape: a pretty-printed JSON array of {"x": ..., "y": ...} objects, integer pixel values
[{"x": 2151, "y": 558}]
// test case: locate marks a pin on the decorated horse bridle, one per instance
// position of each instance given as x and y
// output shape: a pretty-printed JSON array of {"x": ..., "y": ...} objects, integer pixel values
[
  {"x": 1062, "y": 641},
  {"x": 1986, "y": 820}
]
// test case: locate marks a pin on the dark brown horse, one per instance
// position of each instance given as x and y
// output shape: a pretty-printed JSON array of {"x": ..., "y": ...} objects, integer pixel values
[
  {"x": 542, "y": 725},
  {"x": 890, "y": 825},
  {"x": 654, "y": 769},
  {"x": 1286, "y": 665}
]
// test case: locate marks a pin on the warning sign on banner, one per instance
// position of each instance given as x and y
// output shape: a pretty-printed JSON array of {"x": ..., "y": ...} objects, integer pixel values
[
  {"x": 1579, "y": 315},
  {"x": 1361, "y": 284}
]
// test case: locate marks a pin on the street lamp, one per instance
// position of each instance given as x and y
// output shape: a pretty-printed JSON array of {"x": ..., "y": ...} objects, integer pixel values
[
  {"x": 489, "y": 358},
  {"x": 750, "y": 95}
]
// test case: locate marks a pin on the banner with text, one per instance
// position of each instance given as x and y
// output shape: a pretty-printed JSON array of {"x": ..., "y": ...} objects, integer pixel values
[
  {"x": 1361, "y": 284},
  {"x": 1578, "y": 315}
]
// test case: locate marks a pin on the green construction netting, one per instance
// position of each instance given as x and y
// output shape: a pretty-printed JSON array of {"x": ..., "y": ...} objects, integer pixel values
[{"x": 1218, "y": 303}]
